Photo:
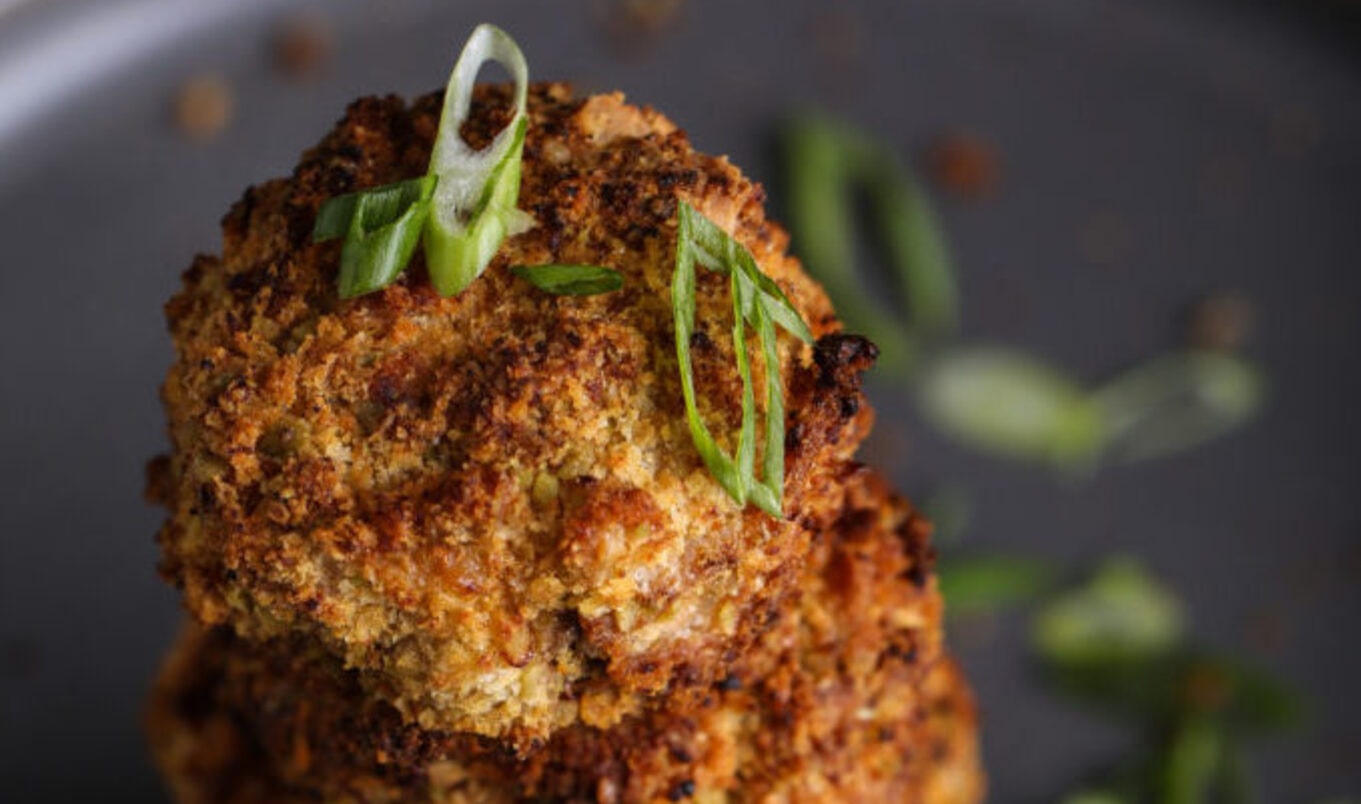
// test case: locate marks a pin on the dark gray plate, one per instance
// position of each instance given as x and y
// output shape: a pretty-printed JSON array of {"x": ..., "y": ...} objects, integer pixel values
[{"x": 1152, "y": 151}]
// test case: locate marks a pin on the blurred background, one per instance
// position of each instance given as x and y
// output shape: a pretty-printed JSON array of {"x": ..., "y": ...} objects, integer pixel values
[{"x": 1116, "y": 181}]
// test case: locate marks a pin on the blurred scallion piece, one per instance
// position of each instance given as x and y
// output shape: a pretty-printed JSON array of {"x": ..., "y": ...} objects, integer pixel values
[
  {"x": 1118, "y": 645},
  {"x": 1177, "y": 401},
  {"x": 828, "y": 164},
  {"x": 985, "y": 583},
  {"x": 1094, "y": 797},
  {"x": 1122, "y": 614},
  {"x": 1192, "y": 763},
  {"x": 998, "y": 400},
  {"x": 913, "y": 241},
  {"x": 1008, "y": 403},
  {"x": 1247, "y": 699}
]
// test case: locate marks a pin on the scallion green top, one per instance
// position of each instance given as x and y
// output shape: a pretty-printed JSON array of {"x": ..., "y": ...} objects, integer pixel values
[
  {"x": 759, "y": 302},
  {"x": 570, "y": 280}
]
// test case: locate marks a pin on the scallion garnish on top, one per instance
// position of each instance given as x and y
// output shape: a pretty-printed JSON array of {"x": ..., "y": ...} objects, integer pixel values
[
  {"x": 381, "y": 228},
  {"x": 570, "y": 280},
  {"x": 461, "y": 210},
  {"x": 474, "y": 205},
  {"x": 757, "y": 301}
]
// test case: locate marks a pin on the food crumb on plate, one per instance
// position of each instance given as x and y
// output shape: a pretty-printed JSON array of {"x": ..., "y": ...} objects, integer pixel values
[{"x": 203, "y": 106}]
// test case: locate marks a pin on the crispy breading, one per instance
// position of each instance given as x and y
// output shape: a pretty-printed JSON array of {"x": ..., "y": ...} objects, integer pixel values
[
  {"x": 490, "y": 504},
  {"x": 956, "y": 773},
  {"x": 845, "y": 699}
]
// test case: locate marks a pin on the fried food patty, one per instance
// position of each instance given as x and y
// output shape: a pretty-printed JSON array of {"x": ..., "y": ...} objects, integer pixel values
[
  {"x": 490, "y": 504},
  {"x": 846, "y": 698}
]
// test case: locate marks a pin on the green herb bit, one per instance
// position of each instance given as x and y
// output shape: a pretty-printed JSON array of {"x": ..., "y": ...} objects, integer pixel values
[
  {"x": 913, "y": 240},
  {"x": 1010, "y": 404},
  {"x": 381, "y": 228},
  {"x": 986, "y": 583},
  {"x": 1094, "y": 797},
  {"x": 474, "y": 207},
  {"x": 758, "y": 302},
  {"x": 1122, "y": 615},
  {"x": 1177, "y": 401},
  {"x": 826, "y": 164},
  {"x": 1192, "y": 764},
  {"x": 571, "y": 280},
  {"x": 1243, "y": 697},
  {"x": 1232, "y": 782}
]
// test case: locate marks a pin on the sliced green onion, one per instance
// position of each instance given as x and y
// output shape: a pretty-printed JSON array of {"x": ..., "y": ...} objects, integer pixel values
[
  {"x": 985, "y": 583},
  {"x": 913, "y": 240},
  {"x": 462, "y": 210},
  {"x": 1122, "y": 615},
  {"x": 719, "y": 463},
  {"x": 1009, "y": 403},
  {"x": 1193, "y": 759},
  {"x": 381, "y": 227},
  {"x": 721, "y": 253},
  {"x": 742, "y": 304},
  {"x": 1232, "y": 783},
  {"x": 1246, "y": 698},
  {"x": 1177, "y": 401},
  {"x": 570, "y": 280},
  {"x": 821, "y": 217},
  {"x": 757, "y": 301},
  {"x": 1094, "y": 797},
  {"x": 827, "y": 163},
  {"x": 334, "y": 217},
  {"x": 769, "y": 492},
  {"x": 474, "y": 207}
]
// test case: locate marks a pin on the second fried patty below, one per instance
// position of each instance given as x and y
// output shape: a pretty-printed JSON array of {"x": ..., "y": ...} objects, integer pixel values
[
  {"x": 491, "y": 504},
  {"x": 845, "y": 699}
]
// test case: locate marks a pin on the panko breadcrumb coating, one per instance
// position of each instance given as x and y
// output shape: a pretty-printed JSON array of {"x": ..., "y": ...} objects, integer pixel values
[
  {"x": 845, "y": 699},
  {"x": 491, "y": 504}
]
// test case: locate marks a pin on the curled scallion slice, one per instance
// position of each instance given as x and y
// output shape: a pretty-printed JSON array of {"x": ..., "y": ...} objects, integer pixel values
[{"x": 473, "y": 209}]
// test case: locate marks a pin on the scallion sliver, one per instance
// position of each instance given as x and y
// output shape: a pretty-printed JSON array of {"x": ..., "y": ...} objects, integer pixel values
[
  {"x": 570, "y": 280},
  {"x": 381, "y": 228},
  {"x": 758, "y": 302}
]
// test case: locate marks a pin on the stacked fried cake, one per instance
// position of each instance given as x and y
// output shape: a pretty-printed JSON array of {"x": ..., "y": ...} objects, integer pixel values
[{"x": 464, "y": 549}]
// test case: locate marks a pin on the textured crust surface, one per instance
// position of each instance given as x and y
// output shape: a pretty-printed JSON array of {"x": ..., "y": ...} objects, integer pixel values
[
  {"x": 845, "y": 699},
  {"x": 491, "y": 504}
]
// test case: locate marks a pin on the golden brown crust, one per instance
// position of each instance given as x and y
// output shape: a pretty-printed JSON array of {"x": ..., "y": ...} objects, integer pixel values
[
  {"x": 834, "y": 705},
  {"x": 956, "y": 774},
  {"x": 490, "y": 504}
]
